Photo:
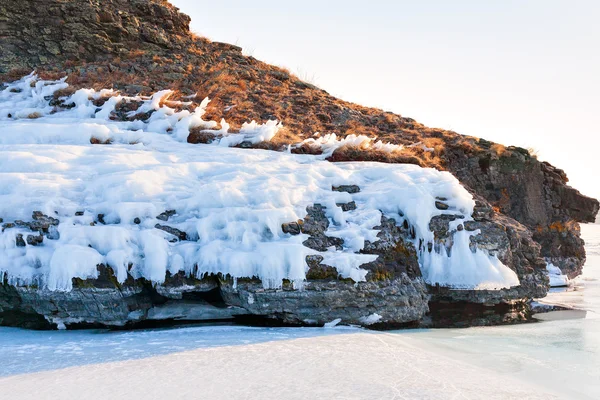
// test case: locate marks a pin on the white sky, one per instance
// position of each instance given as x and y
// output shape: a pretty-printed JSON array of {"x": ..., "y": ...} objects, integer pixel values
[{"x": 520, "y": 72}]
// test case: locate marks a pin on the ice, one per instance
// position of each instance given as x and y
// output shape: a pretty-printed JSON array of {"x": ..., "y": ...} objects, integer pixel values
[
  {"x": 26, "y": 98},
  {"x": 466, "y": 269},
  {"x": 557, "y": 279},
  {"x": 72, "y": 261},
  {"x": 26, "y": 351},
  {"x": 231, "y": 203},
  {"x": 333, "y": 324},
  {"x": 371, "y": 319},
  {"x": 269, "y": 364}
]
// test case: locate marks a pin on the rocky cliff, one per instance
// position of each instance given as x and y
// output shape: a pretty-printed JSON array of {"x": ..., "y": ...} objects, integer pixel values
[{"x": 528, "y": 212}]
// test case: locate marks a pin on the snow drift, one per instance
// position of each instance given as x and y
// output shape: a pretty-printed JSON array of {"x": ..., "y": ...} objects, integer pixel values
[{"x": 230, "y": 203}]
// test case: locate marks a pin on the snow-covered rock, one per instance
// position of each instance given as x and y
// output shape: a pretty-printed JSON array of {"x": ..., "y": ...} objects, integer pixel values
[{"x": 133, "y": 197}]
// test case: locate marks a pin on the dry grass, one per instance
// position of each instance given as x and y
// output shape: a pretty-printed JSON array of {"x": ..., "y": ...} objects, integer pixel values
[
  {"x": 352, "y": 153},
  {"x": 134, "y": 54},
  {"x": 95, "y": 140},
  {"x": 251, "y": 90},
  {"x": 197, "y": 136},
  {"x": 533, "y": 152},
  {"x": 15, "y": 74},
  {"x": 499, "y": 149},
  {"x": 281, "y": 141}
]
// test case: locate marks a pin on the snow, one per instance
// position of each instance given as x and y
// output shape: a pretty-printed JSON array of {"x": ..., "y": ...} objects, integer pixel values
[
  {"x": 251, "y": 132},
  {"x": 230, "y": 202},
  {"x": 422, "y": 146},
  {"x": 557, "y": 279},
  {"x": 329, "y": 143},
  {"x": 371, "y": 319}
]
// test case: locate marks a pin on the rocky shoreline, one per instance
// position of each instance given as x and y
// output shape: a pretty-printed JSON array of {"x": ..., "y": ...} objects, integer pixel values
[
  {"x": 525, "y": 213},
  {"x": 393, "y": 296}
]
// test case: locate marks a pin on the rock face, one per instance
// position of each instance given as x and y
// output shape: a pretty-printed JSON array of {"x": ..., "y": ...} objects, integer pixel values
[
  {"x": 526, "y": 211},
  {"x": 535, "y": 194},
  {"x": 394, "y": 295},
  {"x": 38, "y": 32}
]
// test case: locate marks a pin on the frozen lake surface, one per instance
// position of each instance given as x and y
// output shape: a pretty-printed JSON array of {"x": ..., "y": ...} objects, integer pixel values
[
  {"x": 23, "y": 351},
  {"x": 555, "y": 358},
  {"x": 561, "y": 353}
]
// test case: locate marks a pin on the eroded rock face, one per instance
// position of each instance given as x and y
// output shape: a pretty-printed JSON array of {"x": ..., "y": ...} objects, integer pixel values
[
  {"x": 37, "y": 32},
  {"x": 534, "y": 193},
  {"x": 397, "y": 301},
  {"x": 103, "y": 302},
  {"x": 394, "y": 294},
  {"x": 503, "y": 237}
]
